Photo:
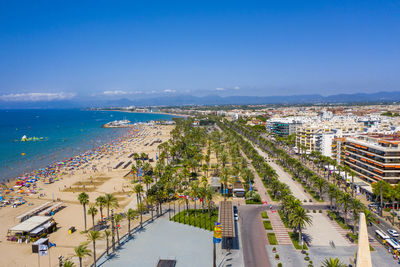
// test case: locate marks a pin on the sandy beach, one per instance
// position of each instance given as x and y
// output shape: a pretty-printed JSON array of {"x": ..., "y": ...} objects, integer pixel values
[{"x": 96, "y": 175}]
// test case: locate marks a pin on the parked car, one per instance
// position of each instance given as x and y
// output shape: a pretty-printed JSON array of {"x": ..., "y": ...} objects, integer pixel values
[
  {"x": 393, "y": 233},
  {"x": 236, "y": 217}
]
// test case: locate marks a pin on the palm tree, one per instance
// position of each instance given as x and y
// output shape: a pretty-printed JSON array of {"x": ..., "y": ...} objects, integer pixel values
[
  {"x": 107, "y": 234},
  {"x": 94, "y": 236},
  {"x": 130, "y": 215},
  {"x": 82, "y": 251},
  {"x": 84, "y": 200},
  {"x": 320, "y": 184},
  {"x": 68, "y": 263},
  {"x": 345, "y": 200},
  {"x": 147, "y": 180},
  {"x": 138, "y": 189},
  {"x": 333, "y": 263},
  {"x": 118, "y": 219},
  {"x": 92, "y": 211},
  {"x": 141, "y": 209},
  {"x": 134, "y": 170},
  {"x": 369, "y": 216},
  {"x": 101, "y": 202},
  {"x": 299, "y": 218},
  {"x": 331, "y": 193},
  {"x": 356, "y": 207},
  {"x": 110, "y": 202}
]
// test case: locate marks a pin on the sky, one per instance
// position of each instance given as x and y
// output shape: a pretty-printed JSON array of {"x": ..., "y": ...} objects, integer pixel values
[{"x": 51, "y": 50}]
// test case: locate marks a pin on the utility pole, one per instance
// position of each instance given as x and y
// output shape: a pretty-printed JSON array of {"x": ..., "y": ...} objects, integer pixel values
[{"x": 113, "y": 231}]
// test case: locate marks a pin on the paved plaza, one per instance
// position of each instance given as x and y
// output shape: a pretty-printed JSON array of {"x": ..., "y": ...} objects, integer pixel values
[
  {"x": 323, "y": 231},
  {"x": 291, "y": 257},
  {"x": 162, "y": 239}
]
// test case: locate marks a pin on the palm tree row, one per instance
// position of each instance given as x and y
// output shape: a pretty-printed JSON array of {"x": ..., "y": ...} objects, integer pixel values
[{"x": 343, "y": 200}]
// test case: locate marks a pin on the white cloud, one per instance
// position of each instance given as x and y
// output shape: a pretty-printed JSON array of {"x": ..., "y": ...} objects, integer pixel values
[
  {"x": 236, "y": 87},
  {"x": 220, "y": 89},
  {"x": 32, "y": 97},
  {"x": 115, "y": 92},
  {"x": 169, "y": 91}
]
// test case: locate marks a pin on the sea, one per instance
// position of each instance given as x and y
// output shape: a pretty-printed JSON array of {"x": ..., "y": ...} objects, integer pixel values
[{"x": 65, "y": 133}]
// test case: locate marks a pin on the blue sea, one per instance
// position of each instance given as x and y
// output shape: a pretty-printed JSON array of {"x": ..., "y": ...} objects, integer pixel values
[{"x": 66, "y": 133}]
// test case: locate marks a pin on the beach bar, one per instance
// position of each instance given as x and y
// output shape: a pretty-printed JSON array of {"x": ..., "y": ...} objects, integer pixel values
[{"x": 32, "y": 228}]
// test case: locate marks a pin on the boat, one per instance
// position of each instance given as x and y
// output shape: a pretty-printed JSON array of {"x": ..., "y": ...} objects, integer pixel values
[
  {"x": 31, "y": 139},
  {"x": 118, "y": 124}
]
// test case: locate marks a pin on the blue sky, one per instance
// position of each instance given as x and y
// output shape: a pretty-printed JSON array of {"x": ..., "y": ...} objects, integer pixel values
[{"x": 53, "y": 50}]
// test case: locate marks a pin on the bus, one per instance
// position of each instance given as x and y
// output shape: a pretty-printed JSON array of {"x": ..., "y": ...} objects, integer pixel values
[
  {"x": 393, "y": 245},
  {"x": 381, "y": 236}
]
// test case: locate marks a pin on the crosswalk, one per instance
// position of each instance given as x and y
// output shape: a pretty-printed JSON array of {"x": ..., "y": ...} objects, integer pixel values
[{"x": 279, "y": 228}]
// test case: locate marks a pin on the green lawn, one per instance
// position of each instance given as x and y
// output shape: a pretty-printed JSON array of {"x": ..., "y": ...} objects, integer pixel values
[
  {"x": 272, "y": 239},
  {"x": 267, "y": 225},
  {"x": 264, "y": 215},
  {"x": 295, "y": 240},
  {"x": 201, "y": 219}
]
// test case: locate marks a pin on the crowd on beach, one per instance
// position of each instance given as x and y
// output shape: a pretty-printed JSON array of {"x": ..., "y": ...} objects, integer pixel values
[{"x": 26, "y": 184}]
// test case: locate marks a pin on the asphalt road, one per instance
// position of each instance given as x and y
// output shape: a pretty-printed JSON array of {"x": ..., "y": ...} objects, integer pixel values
[{"x": 254, "y": 237}]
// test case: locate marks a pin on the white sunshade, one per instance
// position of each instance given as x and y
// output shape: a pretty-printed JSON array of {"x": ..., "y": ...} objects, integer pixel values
[{"x": 30, "y": 224}]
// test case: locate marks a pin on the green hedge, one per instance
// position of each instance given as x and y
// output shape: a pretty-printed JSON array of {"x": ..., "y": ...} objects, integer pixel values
[{"x": 264, "y": 215}]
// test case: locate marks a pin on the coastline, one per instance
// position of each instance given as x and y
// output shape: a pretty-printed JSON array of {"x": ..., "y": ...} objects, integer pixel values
[
  {"x": 97, "y": 176},
  {"x": 160, "y": 113}
]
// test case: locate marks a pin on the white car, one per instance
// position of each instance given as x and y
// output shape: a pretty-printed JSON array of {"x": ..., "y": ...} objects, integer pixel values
[
  {"x": 393, "y": 233},
  {"x": 236, "y": 217}
]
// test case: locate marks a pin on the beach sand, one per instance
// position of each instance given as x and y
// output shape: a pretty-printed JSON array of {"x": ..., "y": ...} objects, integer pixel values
[{"x": 99, "y": 178}]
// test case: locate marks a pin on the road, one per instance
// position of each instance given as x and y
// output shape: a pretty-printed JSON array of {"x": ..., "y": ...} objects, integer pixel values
[{"x": 254, "y": 237}]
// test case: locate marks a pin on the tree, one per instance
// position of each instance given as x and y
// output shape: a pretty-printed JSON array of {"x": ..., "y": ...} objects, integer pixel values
[
  {"x": 110, "y": 202},
  {"x": 299, "y": 218},
  {"x": 118, "y": 219},
  {"x": 84, "y": 200},
  {"x": 333, "y": 262},
  {"x": 68, "y": 263},
  {"x": 130, "y": 215},
  {"x": 94, "y": 236},
  {"x": 134, "y": 171},
  {"x": 92, "y": 211},
  {"x": 141, "y": 209},
  {"x": 345, "y": 201},
  {"x": 356, "y": 207},
  {"x": 331, "y": 193},
  {"x": 381, "y": 189},
  {"x": 138, "y": 189},
  {"x": 101, "y": 202},
  {"x": 107, "y": 234},
  {"x": 320, "y": 185},
  {"x": 81, "y": 251},
  {"x": 147, "y": 180}
]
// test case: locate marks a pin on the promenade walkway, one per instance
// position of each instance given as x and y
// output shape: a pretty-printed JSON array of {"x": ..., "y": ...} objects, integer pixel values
[{"x": 281, "y": 232}]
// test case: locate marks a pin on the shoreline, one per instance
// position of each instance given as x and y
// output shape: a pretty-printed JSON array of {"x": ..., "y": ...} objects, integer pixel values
[
  {"x": 160, "y": 113},
  {"x": 97, "y": 176}
]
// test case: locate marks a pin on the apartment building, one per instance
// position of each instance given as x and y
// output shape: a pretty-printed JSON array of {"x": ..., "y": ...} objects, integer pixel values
[
  {"x": 318, "y": 136},
  {"x": 283, "y": 126},
  {"x": 373, "y": 157}
]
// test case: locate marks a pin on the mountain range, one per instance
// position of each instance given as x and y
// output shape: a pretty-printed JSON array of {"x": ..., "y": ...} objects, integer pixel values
[{"x": 180, "y": 100}]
